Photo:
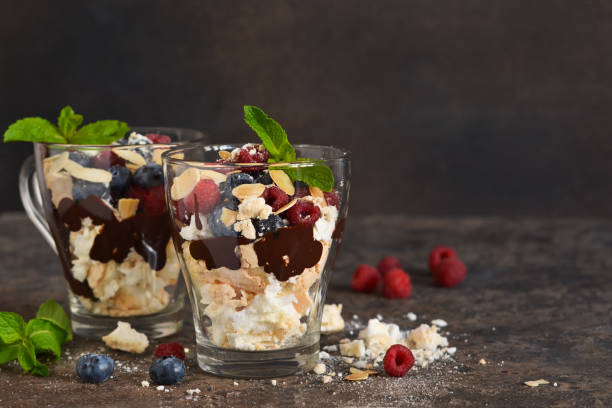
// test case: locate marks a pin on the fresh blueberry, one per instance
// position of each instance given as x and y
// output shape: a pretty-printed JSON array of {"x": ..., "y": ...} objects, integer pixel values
[
  {"x": 81, "y": 189},
  {"x": 167, "y": 371},
  {"x": 150, "y": 175},
  {"x": 217, "y": 226},
  {"x": 236, "y": 179},
  {"x": 264, "y": 178},
  {"x": 122, "y": 177},
  {"x": 81, "y": 158},
  {"x": 272, "y": 223},
  {"x": 95, "y": 368}
]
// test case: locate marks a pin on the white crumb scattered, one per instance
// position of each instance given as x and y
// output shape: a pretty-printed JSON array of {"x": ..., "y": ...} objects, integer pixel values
[
  {"x": 273, "y": 382},
  {"x": 160, "y": 388},
  {"x": 144, "y": 383},
  {"x": 379, "y": 317},
  {"x": 331, "y": 348},
  {"x": 319, "y": 368},
  {"x": 482, "y": 361},
  {"x": 411, "y": 316},
  {"x": 166, "y": 390},
  {"x": 439, "y": 323},
  {"x": 186, "y": 350},
  {"x": 355, "y": 317},
  {"x": 323, "y": 355},
  {"x": 555, "y": 384},
  {"x": 125, "y": 338},
  {"x": 326, "y": 379},
  {"x": 235, "y": 382}
]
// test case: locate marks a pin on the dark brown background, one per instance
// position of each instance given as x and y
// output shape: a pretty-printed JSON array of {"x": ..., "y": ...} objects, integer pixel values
[{"x": 450, "y": 107}]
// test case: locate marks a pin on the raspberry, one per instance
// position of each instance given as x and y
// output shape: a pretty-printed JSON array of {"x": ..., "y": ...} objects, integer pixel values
[
  {"x": 170, "y": 349},
  {"x": 398, "y": 360},
  {"x": 450, "y": 272},
  {"x": 388, "y": 263},
  {"x": 253, "y": 154},
  {"x": 275, "y": 197},
  {"x": 396, "y": 284},
  {"x": 301, "y": 192},
  {"x": 107, "y": 159},
  {"x": 303, "y": 212},
  {"x": 332, "y": 198},
  {"x": 207, "y": 195},
  {"x": 365, "y": 279},
  {"x": 152, "y": 201},
  {"x": 158, "y": 138},
  {"x": 438, "y": 254}
]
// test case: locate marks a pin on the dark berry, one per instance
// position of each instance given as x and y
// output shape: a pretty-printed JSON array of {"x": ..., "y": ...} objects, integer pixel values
[
  {"x": 81, "y": 189},
  {"x": 152, "y": 201},
  {"x": 272, "y": 223},
  {"x": 167, "y": 371},
  {"x": 149, "y": 175},
  {"x": 106, "y": 159},
  {"x": 303, "y": 212},
  {"x": 263, "y": 177},
  {"x": 438, "y": 254},
  {"x": 396, "y": 284},
  {"x": 253, "y": 154},
  {"x": 122, "y": 178},
  {"x": 332, "y": 198},
  {"x": 300, "y": 185},
  {"x": 398, "y": 360},
  {"x": 275, "y": 197},
  {"x": 450, "y": 272},
  {"x": 217, "y": 226},
  {"x": 181, "y": 212},
  {"x": 236, "y": 179},
  {"x": 203, "y": 198},
  {"x": 158, "y": 138},
  {"x": 81, "y": 158},
  {"x": 365, "y": 279},
  {"x": 388, "y": 263},
  {"x": 95, "y": 368},
  {"x": 173, "y": 349},
  {"x": 301, "y": 191}
]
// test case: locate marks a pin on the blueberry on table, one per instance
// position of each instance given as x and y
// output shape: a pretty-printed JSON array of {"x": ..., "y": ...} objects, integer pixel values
[
  {"x": 122, "y": 177},
  {"x": 81, "y": 189},
  {"x": 167, "y": 371},
  {"x": 272, "y": 223},
  {"x": 95, "y": 368},
  {"x": 81, "y": 158},
  {"x": 217, "y": 226},
  {"x": 150, "y": 175}
]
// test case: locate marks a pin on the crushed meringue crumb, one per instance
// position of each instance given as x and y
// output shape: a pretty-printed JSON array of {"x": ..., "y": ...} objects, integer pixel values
[
  {"x": 160, "y": 388},
  {"x": 273, "y": 382},
  {"x": 482, "y": 361},
  {"x": 235, "y": 382},
  {"x": 319, "y": 368},
  {"x": 193, "y": 391},
  {"x": 439, "y": 323},
  {"x": 332, "y": 348},
  {"x": 144, "y": 383},
  {"x": 411, "y": 316},
  {"x": 323, "y": 355},
  {"x": 326, "y": 379}
]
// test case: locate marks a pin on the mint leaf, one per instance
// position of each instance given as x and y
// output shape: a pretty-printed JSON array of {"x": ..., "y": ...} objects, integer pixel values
[
  {"x": 319, "y": 176},
  {"x": 33, "y": 130},
  {"x": 45, "y": 336},
  {"x": 272, "y": 134},
  {"x": 54, "y": 313},
  {"x": 12, "y": 327},
  {"x": 8, "y": 352},
  {"x": 68, "y": 122},
  {"x": 27, "y": 359},
  {"x": 101, "y": 132}
]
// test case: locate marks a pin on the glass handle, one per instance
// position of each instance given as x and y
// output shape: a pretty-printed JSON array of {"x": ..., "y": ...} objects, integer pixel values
[{"x": 31, "y": 199}]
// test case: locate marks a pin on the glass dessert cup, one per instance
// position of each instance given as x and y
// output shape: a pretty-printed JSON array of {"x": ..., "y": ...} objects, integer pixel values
[
  {"x": 102, "y": 210},
  {"x": 256, "y": 249}
]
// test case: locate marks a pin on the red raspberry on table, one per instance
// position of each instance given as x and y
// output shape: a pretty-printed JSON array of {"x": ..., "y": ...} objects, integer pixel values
[
  {"x": 365, "y": 279},
  {"x": 303, "y": 212},
  {"x": 388, "y": 263},
  {"x": 107, "y": 159},
  {"x": 158, "y": 138},
  {"x": 332, "y": 198},
  {"x": 438, "y": 254},
  {"x": 207, "y": 195},
  {"x": 170, "y": 349},
  {"x": 450, "y": 272},
  {"x": 275, "y": 197},
  {"x": 398, "y": 360},
  {"x": 152, "y": 201},
  {"x": 396, "y": 284}
]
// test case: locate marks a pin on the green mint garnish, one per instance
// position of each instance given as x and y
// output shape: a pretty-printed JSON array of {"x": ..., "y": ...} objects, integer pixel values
[
  {"x": 44, "y": 334},
  {"x": 274, "y": 139},
  {"x": 67, "y": 130}
]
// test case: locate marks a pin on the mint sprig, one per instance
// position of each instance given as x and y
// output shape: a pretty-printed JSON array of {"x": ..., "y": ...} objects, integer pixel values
[
  {"x": 274, "y": 139},
  {"x": 44, "y": 334},
  {"x": 35, "y": 129}
]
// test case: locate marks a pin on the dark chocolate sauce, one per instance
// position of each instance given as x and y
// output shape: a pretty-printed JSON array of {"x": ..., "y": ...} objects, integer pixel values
[
  {"x": 147, "y": 234},
  {"x": 339, "y": 230},
  {"x": 286, "y": 252},
  {"x": 218, "y": 251}
]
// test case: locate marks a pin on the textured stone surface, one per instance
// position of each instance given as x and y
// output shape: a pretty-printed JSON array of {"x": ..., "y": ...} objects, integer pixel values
[{"x": 536, "y": 304}]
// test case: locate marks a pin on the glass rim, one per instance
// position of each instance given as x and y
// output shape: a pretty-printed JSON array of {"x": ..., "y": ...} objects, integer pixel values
[
  {"x": 170, "y": 129},
  {"x": 342, "y": 155}
]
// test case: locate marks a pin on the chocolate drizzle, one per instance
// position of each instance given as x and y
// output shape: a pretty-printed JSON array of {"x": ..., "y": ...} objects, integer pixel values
[
  {"x": 147, "y": 234},
  {"x": 218, "y": 251}
]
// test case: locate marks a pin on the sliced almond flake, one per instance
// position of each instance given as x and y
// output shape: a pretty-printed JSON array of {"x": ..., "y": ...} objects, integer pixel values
[
  {"x": 248, "y": 190},
  {"x": 157, "y": 155},
  {"x": 225, "y": 155},
  {"x": 58, "y": 163},
  {"x": 233, "y": 172},
  {"x": 356, "y": 370},
  {"x": 130, "y": 156},
  {"x": 536, "y": 383},
  {"x": 228, "y": 217},
  {"x": 286, "y": 206},
  {"x": 317, "y": 193},
  {"x": 213, "y": 175},
  {"x": 87, "y": 174},
  {"x": 357, "y": 376},
  {"x": 282, "y": 180},
  {"x": 184, "y": 184},
  {"x": 128, "y": 207}
]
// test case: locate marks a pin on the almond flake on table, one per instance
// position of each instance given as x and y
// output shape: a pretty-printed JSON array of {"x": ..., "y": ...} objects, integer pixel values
[{"x": 536, "y": 383}]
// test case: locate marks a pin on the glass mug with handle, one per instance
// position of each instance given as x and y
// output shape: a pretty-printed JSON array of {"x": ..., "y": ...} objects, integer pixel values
[
  {"x": 256, "y": 249},
  {"x": 102, "y": 209}
]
